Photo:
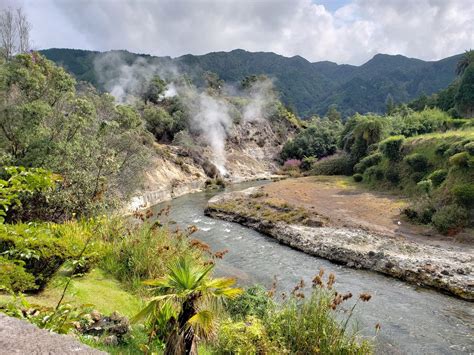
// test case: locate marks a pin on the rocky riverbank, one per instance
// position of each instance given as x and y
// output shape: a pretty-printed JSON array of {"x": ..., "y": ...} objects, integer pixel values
[{"x": 425, "y": 264}]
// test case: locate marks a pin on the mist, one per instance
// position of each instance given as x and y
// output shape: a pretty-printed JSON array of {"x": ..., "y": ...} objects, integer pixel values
[{"x": 209, "y": 115}]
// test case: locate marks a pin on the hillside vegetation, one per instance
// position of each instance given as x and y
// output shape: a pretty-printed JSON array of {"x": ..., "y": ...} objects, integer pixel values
[{"x": 308, "y": 88}]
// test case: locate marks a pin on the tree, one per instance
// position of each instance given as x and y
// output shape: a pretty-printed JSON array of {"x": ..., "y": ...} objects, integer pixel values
[
  {"x": 390, "y": 105},
  {"x": 14, "y": 32},
  {"x": 188, "y": 300},
  {"x": 466, "y": 60},
  {"x": 333, "y": 114},
  {"x": 465, "y": 95},
  {"x": 8, "y": 32}
]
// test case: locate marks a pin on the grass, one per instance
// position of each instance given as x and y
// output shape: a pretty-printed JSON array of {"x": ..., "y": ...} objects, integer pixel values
[{"x": 97, "y": 288}]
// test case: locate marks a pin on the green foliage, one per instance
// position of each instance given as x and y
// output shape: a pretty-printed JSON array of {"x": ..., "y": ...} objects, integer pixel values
[
  {"x": 254, "y": 301},
  {"x": 415, "y": 123},
  {"x": 358, "y": 177},
  {"x": 95, "y": 145},
  {"x": 449, "y": 218},
  {"x": 13, "y": 276},
  {"x": 310, "y": 87},
  {"x": 461, "y": 160},
  {"x": 133, "y": 249},
  {"x": 318, "y": 140},
  {"x": 469, "y": 147},
  {"x": 307, "y": 163},
  {"x": 417, "y": 162},
  {"x": 374, "y": 173},
  {"x": 465, "y": 95},
  {"x": 187, "y": 301},
  {"x": 425, "y": 186},
  {"x": 464, "y": 194},
  {"x": 438, "y": 176},
  {"x": 155, "y": 90},
  {"x": 22, "y": 181},
  {"x": 367, "y": 162},
  {"x": 359, "y": 133},
  {"x": 247, "y": 336},
  {"x": 391, "y": 147},
  {"x": 42, "y": 248},
  {"x": 337, "y": 164}
]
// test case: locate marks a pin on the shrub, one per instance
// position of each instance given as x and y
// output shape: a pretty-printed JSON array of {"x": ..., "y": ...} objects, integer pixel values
[
  {"x": 43, "y": 248},
  {"x": 357, "y": 177},
  {"x": 455, "y": 148},
  {"x": 449, "y": 218},
  {"x": 460, "y": 160},
  {"x": 425, "y": 186},
  {"x": 392, "y": 174},
  {"x": 374, "y": 172},
  {"x": 469, "y": 147},
  {"x": 337, "y": 164},
  {"x": 417, "y": 162},
  {"x": 13, "y": 276},
  {"x": 391, "y": 147},
  {"x": 255, "y": 301},
  {"x": 442, "y": 148},
  {"x": 292, "y": 164},
  {"x": 464, "y": 194},
  {"x": 367, "y": 162},
  {"x": 244, "y": 337},
  {"x": 438, "y": 176},
  {"x": 307, "y": 163}
]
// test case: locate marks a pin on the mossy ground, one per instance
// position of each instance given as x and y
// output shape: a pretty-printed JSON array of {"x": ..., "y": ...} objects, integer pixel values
[{"x": 96, "y": 288}]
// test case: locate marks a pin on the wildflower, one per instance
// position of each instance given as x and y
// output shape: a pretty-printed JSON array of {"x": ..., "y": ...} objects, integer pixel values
[
  {"x": 365, "y": 297},
  {"x": 378, "y": 327},
  {"x": 346, "y": 296},
  {"x": 317, "y": 281}
]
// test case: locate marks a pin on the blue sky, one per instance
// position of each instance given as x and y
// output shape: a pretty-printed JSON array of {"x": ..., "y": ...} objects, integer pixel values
[{"x": 343, "y": 31}]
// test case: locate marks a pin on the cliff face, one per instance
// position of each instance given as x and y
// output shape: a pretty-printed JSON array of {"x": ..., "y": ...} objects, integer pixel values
[{"x": 251, "y": 152}]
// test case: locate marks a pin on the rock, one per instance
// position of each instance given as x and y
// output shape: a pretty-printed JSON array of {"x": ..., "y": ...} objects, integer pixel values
[
  {"x": 114, "y": 327},
  {"x": 95, "y": 315},
  {"x": 111, "y": 340}
]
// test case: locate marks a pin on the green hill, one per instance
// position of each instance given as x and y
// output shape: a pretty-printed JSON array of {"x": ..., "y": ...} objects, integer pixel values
[{"x": 309, "y": 88}]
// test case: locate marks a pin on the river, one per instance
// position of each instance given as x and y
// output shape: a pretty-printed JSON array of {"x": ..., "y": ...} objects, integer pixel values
[{"x": 413, "y": 320}]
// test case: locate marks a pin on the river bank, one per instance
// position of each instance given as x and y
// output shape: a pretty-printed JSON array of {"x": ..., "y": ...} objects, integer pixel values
[{"x": 386, "y": 249}]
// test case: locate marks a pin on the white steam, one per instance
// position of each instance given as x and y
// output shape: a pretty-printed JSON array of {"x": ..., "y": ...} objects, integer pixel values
[
  {"x": 210, "y": 115},
  {"x": 261, "y": 96}
]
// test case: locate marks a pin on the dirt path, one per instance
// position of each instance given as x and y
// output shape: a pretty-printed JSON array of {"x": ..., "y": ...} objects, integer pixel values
[{"x": 347, "y": 204}]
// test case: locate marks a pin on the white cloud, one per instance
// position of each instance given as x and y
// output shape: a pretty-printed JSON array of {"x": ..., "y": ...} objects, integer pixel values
[{"x": 427, "y": 29}]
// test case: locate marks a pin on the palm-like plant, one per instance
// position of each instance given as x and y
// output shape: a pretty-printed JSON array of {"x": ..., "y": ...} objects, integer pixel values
[
  {"x": 187, "y": 304},
  {"x": 466, "y": 60}
]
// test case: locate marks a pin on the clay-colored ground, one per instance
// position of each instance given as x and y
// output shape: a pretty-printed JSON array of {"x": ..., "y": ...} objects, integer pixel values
[{"x": 348, "y": 204}]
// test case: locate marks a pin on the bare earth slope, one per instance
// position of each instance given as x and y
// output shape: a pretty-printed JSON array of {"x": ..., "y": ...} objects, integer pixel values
[{"x": 331, "y": 217}]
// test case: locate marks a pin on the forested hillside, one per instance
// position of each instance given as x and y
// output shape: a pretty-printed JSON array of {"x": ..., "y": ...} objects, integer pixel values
[{"x": 308, "y": 88}]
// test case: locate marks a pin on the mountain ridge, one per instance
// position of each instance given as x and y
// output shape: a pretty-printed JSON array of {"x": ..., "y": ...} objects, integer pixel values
[{"x": 307, "y": 87}]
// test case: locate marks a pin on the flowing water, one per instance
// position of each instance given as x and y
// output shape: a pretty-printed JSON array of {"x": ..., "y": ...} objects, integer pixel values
[{"x": 413, "y": 320}]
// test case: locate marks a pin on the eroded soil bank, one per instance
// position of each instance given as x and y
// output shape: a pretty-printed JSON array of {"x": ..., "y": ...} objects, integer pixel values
[{"x": 332, "y": 218}]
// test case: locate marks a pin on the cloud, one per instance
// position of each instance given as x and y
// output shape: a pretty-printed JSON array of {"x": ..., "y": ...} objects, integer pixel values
[{"x": 427, "y": 29}]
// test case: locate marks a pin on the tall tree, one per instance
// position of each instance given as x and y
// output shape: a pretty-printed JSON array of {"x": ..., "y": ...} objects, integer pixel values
[
  {"x": 465, "y": 95},
  {"x": 23, "y": 28},
  {"x": 8, "y": 32},
  {"x": 466, "y": 60}
]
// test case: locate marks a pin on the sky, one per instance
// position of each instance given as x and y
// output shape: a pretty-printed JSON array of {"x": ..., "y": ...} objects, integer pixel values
[{"x": 342, "y": 31}]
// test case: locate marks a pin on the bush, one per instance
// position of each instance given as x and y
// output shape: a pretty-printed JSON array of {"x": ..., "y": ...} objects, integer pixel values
[
  {"x": 417, "y": 162},
  {"x": 292, "y": 164},
  {"x": 307, "y": 163},
  {"x": 391, "y": 147},
  {"x": 425, "y": 186},
  {"x": 244, "y": 337},
  {"x": 13, "y": 276},
  {"x": 464, "y": 194},
  {"x": 357, "y": 177},
  {"x": 393, "y": 175},
  {"x": 43, "y": 248},
  {"x": 255, "y": 301},
  {"x": 367, "y": 162},
  {"x": 442, "y": 148},
  {"x": 438, "y": 176},
  {"x": 132, "y": 256},
  {"x": 417, "y": 176},
  {"x": 461, "y": 160},
  {"x": 469, "y": 147},
  {"x": 449, "y": 218},
  {"x": 374, "y": 172},
  {"x": 338, "y": 164}
]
